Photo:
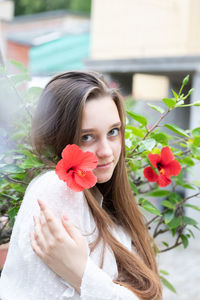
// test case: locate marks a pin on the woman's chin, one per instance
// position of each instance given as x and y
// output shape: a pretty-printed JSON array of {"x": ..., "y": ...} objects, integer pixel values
[
  {"x": 103, "y": 179},
  {"x": 103, "y": 175}
]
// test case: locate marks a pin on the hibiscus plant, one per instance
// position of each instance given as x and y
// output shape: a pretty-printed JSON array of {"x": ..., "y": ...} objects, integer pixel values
[{"x": 158, "y": 163}]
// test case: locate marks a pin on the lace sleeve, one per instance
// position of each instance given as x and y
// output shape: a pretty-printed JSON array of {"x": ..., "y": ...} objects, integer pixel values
[
  {"x": 96, "y": 284},
  {"x": 25, "y": 276}
]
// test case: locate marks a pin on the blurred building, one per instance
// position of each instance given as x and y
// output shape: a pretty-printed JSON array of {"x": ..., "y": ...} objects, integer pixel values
[
  {"x": 145, "y": 28},
  {"x": 6, "y": 14},
  {"x": 148, "y": 37},
  {"x": 147, "y": 47},
  {"x": 48, "y": 42}
]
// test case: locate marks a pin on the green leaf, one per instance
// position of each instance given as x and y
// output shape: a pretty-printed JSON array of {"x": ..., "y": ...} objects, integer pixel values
[
  {"x": 137, "y": 131},
  {"x": 185, "y": 80},
  {"x": 183, "y": 145},
  {"x": 196, "y": 132},
  {"x": 134, "y": 164},
  {"x": 196, "y": 183},
  {"x": 169, "y": 102},
  {"x": 190, "y": 92},
  {"x": 33, "y": 93},
  {"x": 20, "y": 188},
  {"x": 147, "y": 144},
  {"x": 26, "y": 153},
  {"x": 157, "y": 108},
  {"x": 160, "y": 137},
  {"x": 32, "y": 162},
  {"x": 191, "y": 232},
  {"x": 177, "y": 130},
  {"x": 164, "y": 272},
  {"x": 192, "y": 206},
  {"x": 184, "y": 240},
  {"x": 173, "y": 231},
  {"x": 19, "y": 65},
  {"x": 188, "y": 161},
  {"x": 158, "y": 193},
  {"x": 175, "y": 222},
  {"x": 164, "y": 243},
  {"x": 196, "y": 141},
  {"x": 168, "y": 204},
  {"x": 197, "y": 227},
  {"x": 168, "y": 216},
  {"x": 167, "y": 284},
  {"x": 19, "y": 176},
  {"x": 195, "y": 151},
  {"x": 188, "y": 186},
  {"x": 196, "y": 103},
  {"x": 140, "y": 119},
  {"x": 19, "y": 78},
  {"x": 14, "y": 198},
  {"x": 13, "y": 212},
  {"x": 9, "y": 169},
  {"x": 149, "y": 207},
  {"x": 176, "y": 96},
  {"x": 133, "y": 187},
  {"x": 189, "y": 221}
]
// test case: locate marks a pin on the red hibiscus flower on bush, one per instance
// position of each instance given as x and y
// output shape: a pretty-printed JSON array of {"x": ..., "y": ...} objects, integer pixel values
[
  {"x": 166, "y": 165},
  {"x": 75, "y": 168}
]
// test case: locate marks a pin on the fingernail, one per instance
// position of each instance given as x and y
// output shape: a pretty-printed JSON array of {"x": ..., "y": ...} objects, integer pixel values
[
  {"x": 65, "y": 217},
  {"x": 40, "y": 203}
]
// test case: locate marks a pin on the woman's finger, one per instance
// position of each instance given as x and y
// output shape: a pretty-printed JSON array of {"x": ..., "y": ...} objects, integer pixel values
[
  {"x": 38, "y": 233},
  {"x": 50, "y": 225},
  {"x": 35, "y": 246},
  {"x": 73, "y": 231},
  {"x": 49, "y": 219},
  {"x": 44, "y": 227}
]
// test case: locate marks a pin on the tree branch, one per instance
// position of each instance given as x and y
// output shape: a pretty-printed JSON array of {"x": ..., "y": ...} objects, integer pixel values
[
  {"x": 13, "y": 180},
  {"x": 176, "y": 244},
  {"x": 150, "y": 130}
]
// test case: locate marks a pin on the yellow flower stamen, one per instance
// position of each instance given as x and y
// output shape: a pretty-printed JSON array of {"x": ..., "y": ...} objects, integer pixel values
[
  {"x": 81, "y": 173},
  {"x": 162, "y": 171}
]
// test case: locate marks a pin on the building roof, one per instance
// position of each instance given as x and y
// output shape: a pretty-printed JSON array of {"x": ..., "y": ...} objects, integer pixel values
[
  {"x": 47, "y": 15},
  {"x": 66, "y": 53},
  {"x": 147, "y": 65},
  {"x": 57, "y": 45}
]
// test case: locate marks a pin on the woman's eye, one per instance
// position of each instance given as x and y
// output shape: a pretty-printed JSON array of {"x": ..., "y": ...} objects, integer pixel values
[
  {"x": 86, "y": 138},
  {"x": 114, "y": 132}
]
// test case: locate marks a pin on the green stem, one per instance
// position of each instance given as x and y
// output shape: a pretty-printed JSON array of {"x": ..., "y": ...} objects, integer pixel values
[
  {"x": 18, "y": 94},
  {"x": 150, "y": 130}
]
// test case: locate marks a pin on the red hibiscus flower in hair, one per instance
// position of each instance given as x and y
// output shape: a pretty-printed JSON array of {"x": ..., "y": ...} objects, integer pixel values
[
  {"x": 75, "y": 168},
  {"x": 166, "y": 165}
]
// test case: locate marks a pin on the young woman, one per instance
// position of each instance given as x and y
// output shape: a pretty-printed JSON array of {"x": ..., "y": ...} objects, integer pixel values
[{"x": 82, "y": 245}]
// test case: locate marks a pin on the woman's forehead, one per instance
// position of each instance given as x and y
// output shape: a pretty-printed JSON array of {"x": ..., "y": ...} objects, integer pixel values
[{"x": 99, "y": 112}]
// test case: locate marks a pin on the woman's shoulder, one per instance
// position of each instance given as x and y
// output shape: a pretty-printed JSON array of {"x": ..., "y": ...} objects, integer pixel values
[
  {"x": 48, "y": 177},
  {"x": 49, "y": 188},
  {"x": 49, "y": 182}
]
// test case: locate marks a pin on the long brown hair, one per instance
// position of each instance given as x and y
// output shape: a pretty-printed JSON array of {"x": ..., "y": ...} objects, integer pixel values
[{"x": 57, "y": 122}]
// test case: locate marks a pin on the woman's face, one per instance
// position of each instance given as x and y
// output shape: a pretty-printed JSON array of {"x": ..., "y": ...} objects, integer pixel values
[{"x": 101, "y": 134}]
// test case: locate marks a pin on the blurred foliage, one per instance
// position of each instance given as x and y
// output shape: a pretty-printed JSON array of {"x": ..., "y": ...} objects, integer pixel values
[
  {"x": 20, "y": 164},
  {"x": 24, "y": 7}
]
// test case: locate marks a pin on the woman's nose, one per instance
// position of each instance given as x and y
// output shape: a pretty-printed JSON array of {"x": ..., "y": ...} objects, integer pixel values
[{"x": 104, "y": 149}]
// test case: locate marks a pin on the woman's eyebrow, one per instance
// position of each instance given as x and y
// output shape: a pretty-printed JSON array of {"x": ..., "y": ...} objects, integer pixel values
[
  {"x": 116, "y": 125},
  {"x": 93, "y": 129},
  {"x": 87, "y": 130}
]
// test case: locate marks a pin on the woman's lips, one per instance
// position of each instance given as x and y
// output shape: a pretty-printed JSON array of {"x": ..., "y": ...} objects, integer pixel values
[{"x": 104, "y": 166}]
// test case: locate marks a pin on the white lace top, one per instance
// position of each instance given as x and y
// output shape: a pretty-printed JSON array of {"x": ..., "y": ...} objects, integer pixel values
[{"x": 26, "y": 277}]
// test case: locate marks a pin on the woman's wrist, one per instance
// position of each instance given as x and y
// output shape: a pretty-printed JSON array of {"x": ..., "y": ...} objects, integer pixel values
[{"x": 76, "y": 275}]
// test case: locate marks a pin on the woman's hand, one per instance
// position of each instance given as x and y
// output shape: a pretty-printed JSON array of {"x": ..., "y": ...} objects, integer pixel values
[{"x": 60, "y": 245}]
